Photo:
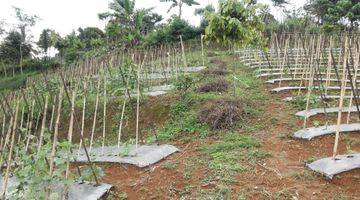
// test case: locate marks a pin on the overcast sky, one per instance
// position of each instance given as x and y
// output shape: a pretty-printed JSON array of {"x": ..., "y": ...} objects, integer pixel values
[{"x": 64, "y": 16}]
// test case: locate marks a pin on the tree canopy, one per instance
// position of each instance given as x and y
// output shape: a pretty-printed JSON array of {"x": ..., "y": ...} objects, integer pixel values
[
  {"x": 333, "y": 13},
  {"x": 9, "y": 48}
]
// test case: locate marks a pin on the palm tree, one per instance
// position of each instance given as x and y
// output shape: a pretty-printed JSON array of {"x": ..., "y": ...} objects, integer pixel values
[{"x": 180, "y": 3}]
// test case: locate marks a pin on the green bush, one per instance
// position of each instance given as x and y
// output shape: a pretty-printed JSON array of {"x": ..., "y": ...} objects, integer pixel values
[{"x": 171, "y": 32}]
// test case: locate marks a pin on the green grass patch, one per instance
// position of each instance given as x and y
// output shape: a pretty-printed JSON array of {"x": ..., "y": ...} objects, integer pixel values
[
  {"x": 233, "y": 154},
  {"x": 183, "y": 121}
]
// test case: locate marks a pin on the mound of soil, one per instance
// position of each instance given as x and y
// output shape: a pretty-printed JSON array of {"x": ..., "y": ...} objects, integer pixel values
[
  {"x": 220, "y": 85},
  {"x": 224, "y": 113}
]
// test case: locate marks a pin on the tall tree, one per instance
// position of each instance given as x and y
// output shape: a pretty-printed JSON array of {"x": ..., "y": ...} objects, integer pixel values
[
  {"x": 45, "y": 41},
  {"x": 24, "y": 22},
  {"x": 179, "y": 4},
  {"x": 10, "y": 51},
  {"x": 127, "y": 21},
  {"x": 91, "y": 37},
  {"x": 2, "y": 27},
  {"x": 201, "y": 12}
]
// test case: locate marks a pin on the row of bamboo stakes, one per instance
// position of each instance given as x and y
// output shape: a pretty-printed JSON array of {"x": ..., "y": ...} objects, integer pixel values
[
  {"x": 312, "y": 61},
  {"x": 39, "y": 108}
]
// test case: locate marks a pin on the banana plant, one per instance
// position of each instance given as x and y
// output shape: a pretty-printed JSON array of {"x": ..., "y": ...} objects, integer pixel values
[{"x": 179, "y": 4}]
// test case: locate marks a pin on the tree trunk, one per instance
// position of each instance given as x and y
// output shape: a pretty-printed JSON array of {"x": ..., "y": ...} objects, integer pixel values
[
  {"x": 180, "y": 8},
  {"x": 21, "y": 57}
]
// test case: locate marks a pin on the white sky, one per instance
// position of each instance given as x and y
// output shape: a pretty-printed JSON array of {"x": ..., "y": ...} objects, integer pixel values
[{"x": 64, "y": 16}]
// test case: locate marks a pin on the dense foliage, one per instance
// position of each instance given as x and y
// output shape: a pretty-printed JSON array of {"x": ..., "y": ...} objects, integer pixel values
[{"x": 236, "y": 22}]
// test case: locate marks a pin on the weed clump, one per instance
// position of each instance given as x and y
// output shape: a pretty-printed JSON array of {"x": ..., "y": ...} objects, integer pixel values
[
  {"x": 220, "y": 85},
  {"x": 224, "y": 113}
]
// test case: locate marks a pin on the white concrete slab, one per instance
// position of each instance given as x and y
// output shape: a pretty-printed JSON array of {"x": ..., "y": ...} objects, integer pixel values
[
  {"x": 272, "y": 81},
  {"x": 77, "y": 191},
  {"x": 287, "y": 88},
  {"x": 326, "y": 97},
  {"x": 330, "y": 167},
  {"x": 316, "y": 111},
  {"x": 309, "y": 133},
  {"x": 143, "y": 156}
]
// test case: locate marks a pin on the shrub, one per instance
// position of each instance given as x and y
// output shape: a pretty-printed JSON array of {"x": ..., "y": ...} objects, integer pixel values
[
  {"x": 215, "y": 71},
  {"x": 217, "y": 86},
  {"x": 224, "y": 113}
]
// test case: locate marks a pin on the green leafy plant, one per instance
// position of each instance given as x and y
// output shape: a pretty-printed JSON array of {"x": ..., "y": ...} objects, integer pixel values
[
  {"x": 32, "y": 173},
  {"x": 235, "y": 23}
]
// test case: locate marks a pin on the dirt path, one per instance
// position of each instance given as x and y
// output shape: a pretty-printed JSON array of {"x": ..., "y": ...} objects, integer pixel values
[{"x": 285, "y": 175}]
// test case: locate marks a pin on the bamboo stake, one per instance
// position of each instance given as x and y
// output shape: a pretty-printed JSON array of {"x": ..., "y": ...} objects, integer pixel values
[
  {"x": 30, "y": 125},
  {"x": 2, "y": 132},
  {"x": 122, "y": 117},
  {"x": 71, "y": 129},
  {"x": 7, "y": 138},
  {"x": 283, "y": 61},
  {"x": 56, "y": 132},
  {"x": 356, "y": 65},
  {"x": 104, "y": 118},
  {"x": 310, "y": 84},
  {"x": 138, "y": 104},
  {"x": 8, "y": 167},
  {"x": 95, "y": 115},
  {"x": 21, "y": 122},
  {"x": 83, "y": 116},
  {"x": 202, "y": 50},
  {"x": 43, "y": 123},
  {"x": 183, "y": 52},
  {"x": 327, "y": 83},
  {"x": 342, "y": 93}
]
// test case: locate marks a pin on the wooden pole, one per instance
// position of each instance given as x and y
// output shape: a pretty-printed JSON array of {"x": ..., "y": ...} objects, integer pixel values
[
  {"x": 310, "y": 85},
  {"x": 138, "y": 103},
  {"x": 8, "y": 167},
  {"x": 104, "y": 118},
  {"x": 71, "y": 129},
  {"x": 202, "y": 50},
  {"x": 43, "y": 123},
  {"x": 52, "y": 116},
  {"x": 30, "y": 120},
  {"x": 356, "y": 65},
  {"x": 183, "y": 52},
  {"x": 83, "y": 115},
  {"x": 2, "y": 132},
  {"x": 95, "y": 115},
  {"x": 56, "y": 132},
  {"x": 122, "y": 117},
  {"x": 341, "y": 101}
]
